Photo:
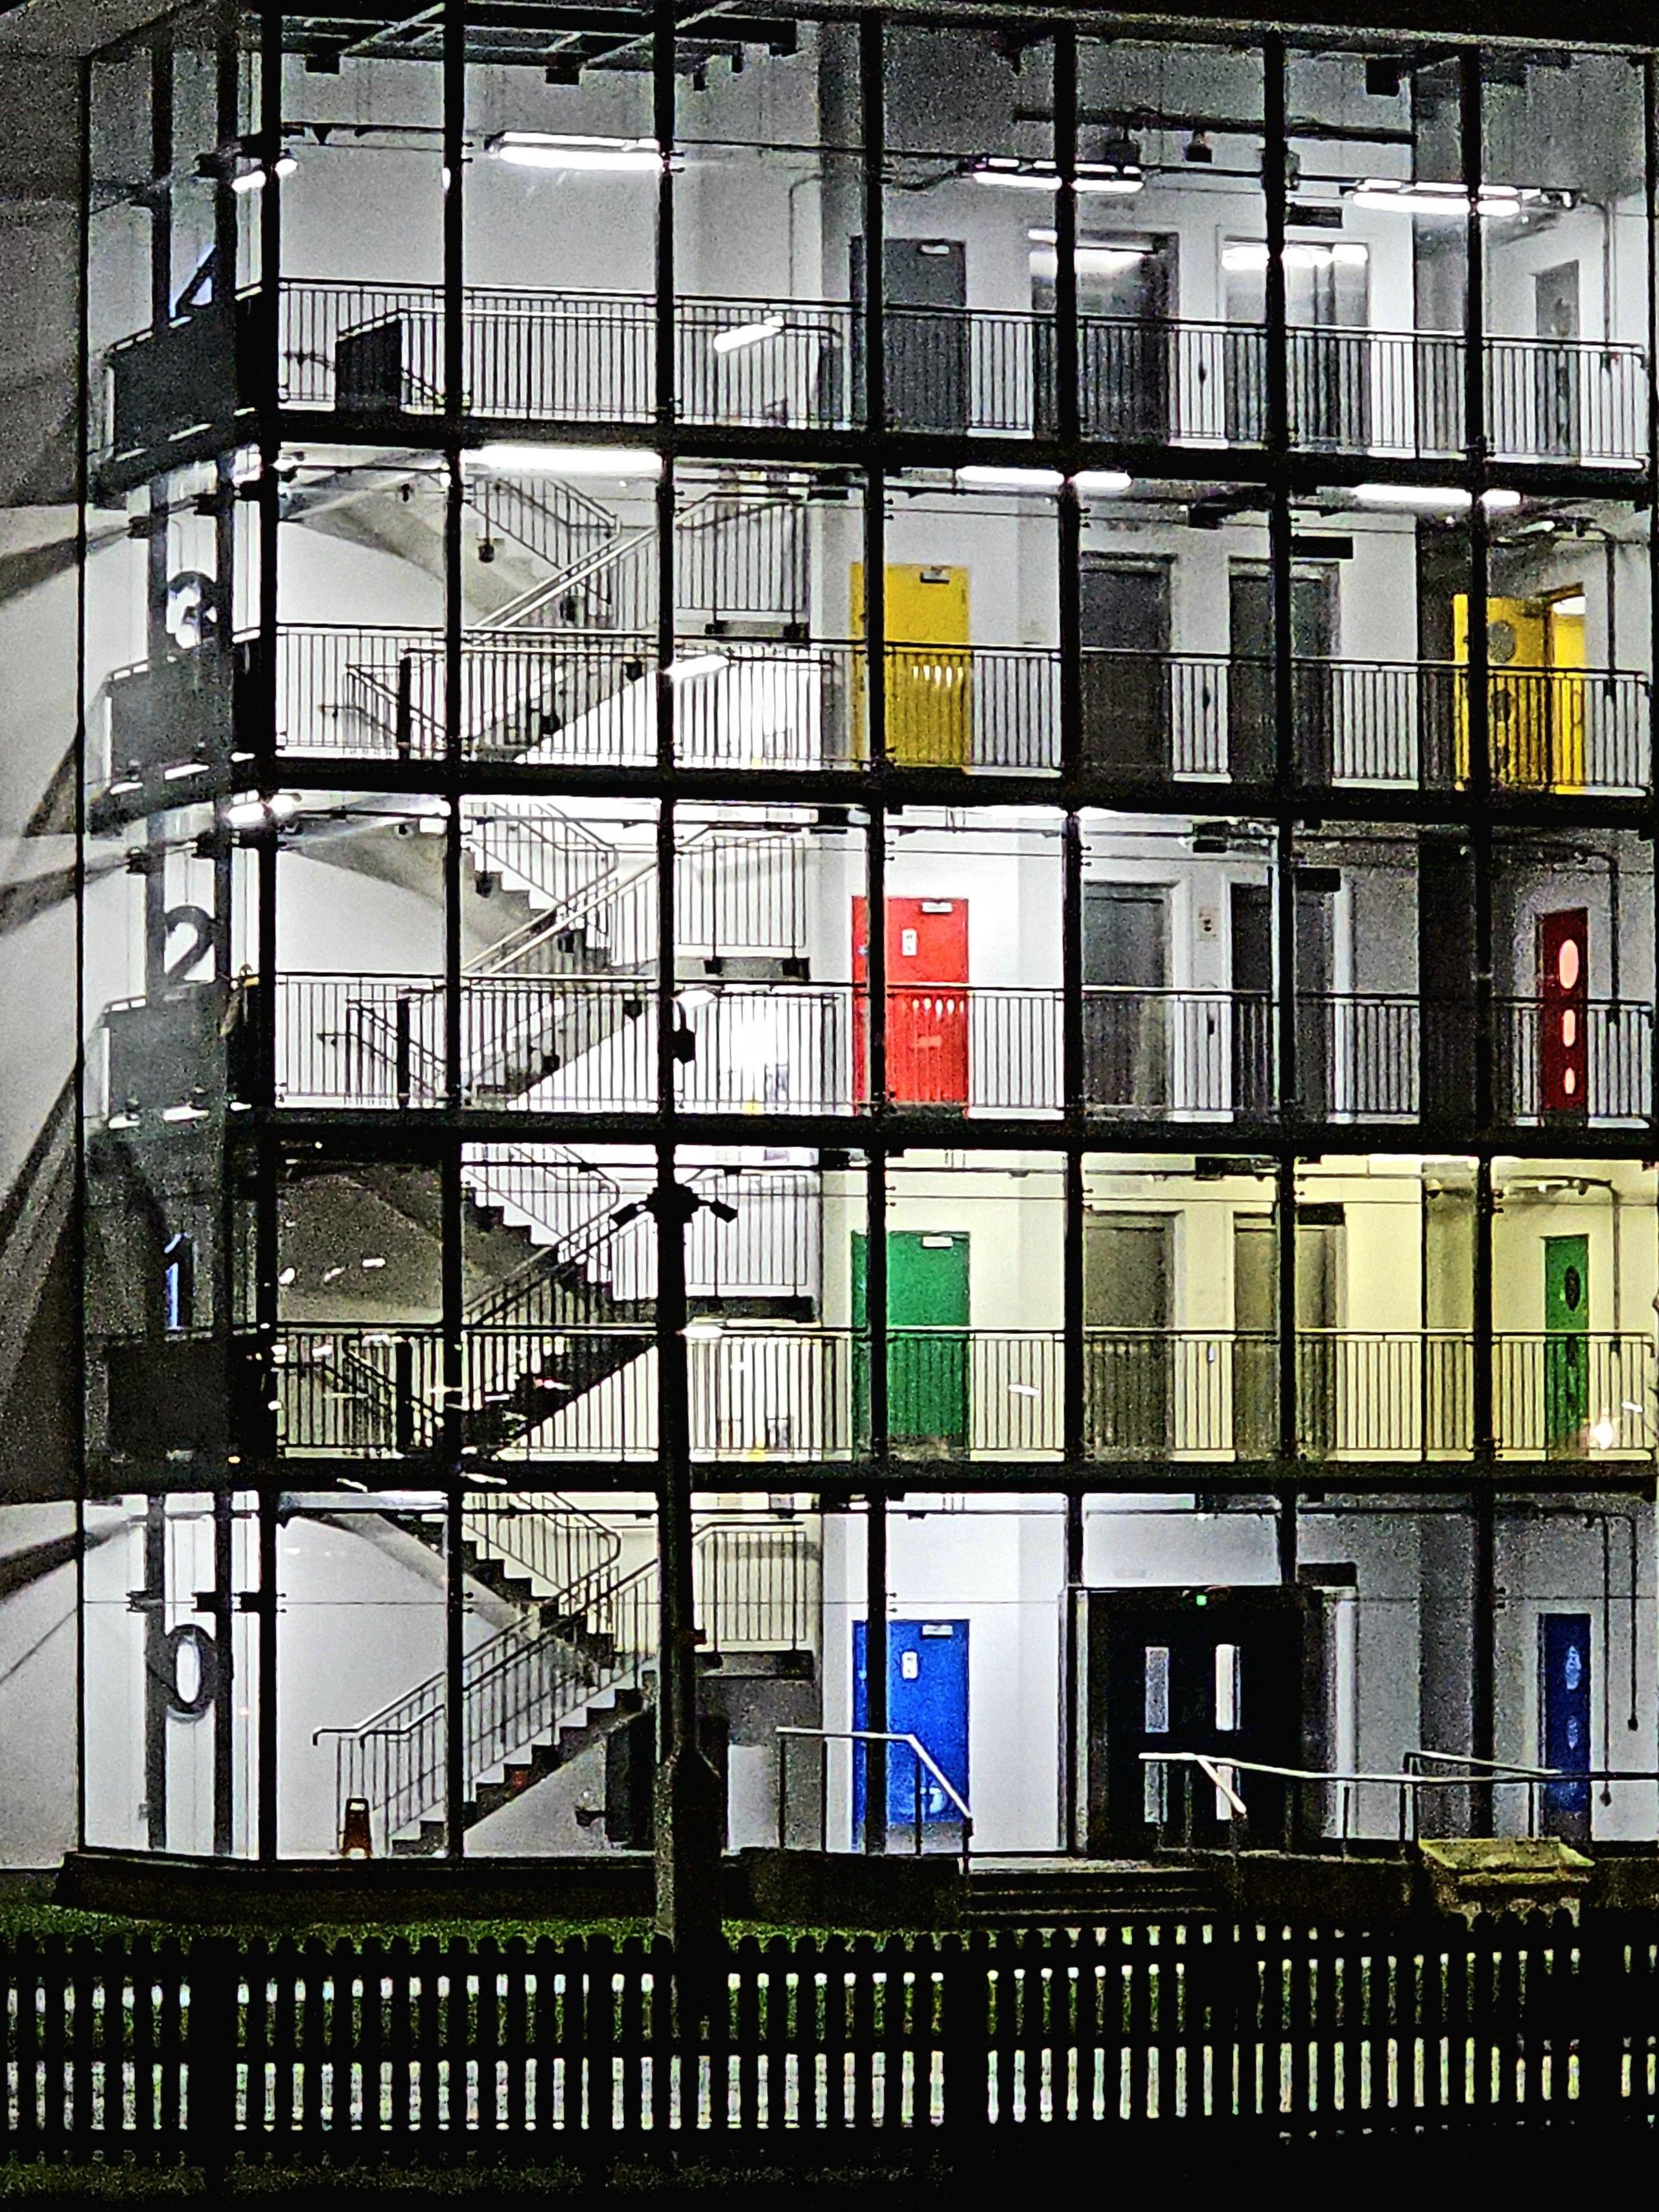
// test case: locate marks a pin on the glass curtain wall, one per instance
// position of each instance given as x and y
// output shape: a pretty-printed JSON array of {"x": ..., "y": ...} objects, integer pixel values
[{"x": 621, "y": 750}]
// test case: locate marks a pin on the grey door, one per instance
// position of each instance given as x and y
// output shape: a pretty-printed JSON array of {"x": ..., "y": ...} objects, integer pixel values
[
  {"x": 1326, "y": 312},
  {"x": 1319, "y": 1232},
  {"x": 1124, "y": 287},
  {"x": 924, "y": 296},
  {"x": 1314, "y": 606},
  {"x": 1316, "y": 900},
  {"x": 1251, "y": 931},
  {"x": 1125, "y": 960},
  {"x": 1555, "y": 376},
  {"x": 1255, "y": 1361},
  {"x": 1126, "y": 1314},
  {"x": 1126, "y": 668}
]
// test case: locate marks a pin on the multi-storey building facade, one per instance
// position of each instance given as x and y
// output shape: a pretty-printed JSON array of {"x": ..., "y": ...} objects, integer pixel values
[{"x": 770, "y": 949}]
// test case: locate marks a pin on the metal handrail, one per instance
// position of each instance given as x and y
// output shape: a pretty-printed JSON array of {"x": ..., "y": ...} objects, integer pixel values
[
  {"x": 923, "y": 1758},
  {"x": 1410, "y": 1782}
]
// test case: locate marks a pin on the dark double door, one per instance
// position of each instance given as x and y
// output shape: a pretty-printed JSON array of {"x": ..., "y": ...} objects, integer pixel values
[
  {"x": 1251, "y": 717},
  {"x": 1126, "y": 673},
  {"x": 1125, "y": 341},
  {"x": 1319, "y": 1036},
  {"x": 1218, "y": 1671},
  {"x": 1129, "y": 1354},
  {"x": 1126, "y": 1042}
]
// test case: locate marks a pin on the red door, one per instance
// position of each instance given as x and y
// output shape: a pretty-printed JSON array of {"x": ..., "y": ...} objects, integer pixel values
[
  {"x": 926, "y": 1000},
  {"x": 1564, "y": 1011}
]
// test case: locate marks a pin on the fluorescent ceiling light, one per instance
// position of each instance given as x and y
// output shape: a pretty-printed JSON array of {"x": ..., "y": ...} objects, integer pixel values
[
  {"x": 740, "y": 335},
  {"x": 1492, "y": 201},
  {"x": 1251, "y": 253},
  {"x": 1574, "y": 604},
  {"x": 1097, "y": 483},
  {"x": 549, "y": 149},
  {"x": 571, "y": 460},
  {"x": 700, "y": 663},
  {"x": 991, "y": 478},
  {"x": 1434, "y": 499},
  {"x": 1092, "y": 260},
  {"x": 1013, "y": 174}
]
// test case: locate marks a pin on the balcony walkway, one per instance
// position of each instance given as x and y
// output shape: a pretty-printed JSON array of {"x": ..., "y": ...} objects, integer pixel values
[{"x": 360, "y": 352}]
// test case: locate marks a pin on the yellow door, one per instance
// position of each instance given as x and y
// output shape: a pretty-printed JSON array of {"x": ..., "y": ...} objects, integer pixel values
[
  {"x": 1564, "y": 650},
  {"x": 929, "y": 667},
  {"x": 1518, "y": 685}
]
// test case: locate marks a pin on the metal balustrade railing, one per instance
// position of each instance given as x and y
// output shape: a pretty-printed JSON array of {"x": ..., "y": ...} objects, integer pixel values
[
  {"x": 789, "y": 1392},
  {"x": 1381, "y": 1393},
  {"x": 798, "y": 364},
  {"x": 973, "y": 707},
  {"x": 588, "y": 1043},
  {"x": 589, "y": 356},
  {"x": 757, "y": 1586},
  {"x": 1191, "y": 1393},
  {"x": 587, "y": 696},
  {"x": 1158, "y": 1053},
  {"x": 359, "y": 1040},
  {"x": 1566, "y": 400},
  {"x": 579, "y": 1043},
  {"x": 1572, "y": 1394},
  {"x": 1616, "y": 1054},
  {"x": 568, "y": 1554},
  {"x": 357, "y": 1393}
]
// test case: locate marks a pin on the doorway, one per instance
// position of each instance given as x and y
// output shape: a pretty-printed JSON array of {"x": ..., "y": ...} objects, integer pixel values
[
  {"x": 1564, "y": 1013},
  {"x": 1564, "y": 1722},
  {"x": 1125, "y": 1009},
  {"x": 1250, "y": 918},
  {"x": 924, "y": 294},
  {"x": 926, "y": 1001},
  {"x": 1216, "y": 1671},
  {"x": 1125, "y": 611},
  {"x": 1566, "y": 1349},
  {"x": 1316, "y": 894},
  {"x": 1556, "y": 358},
  {"x": 1124, "y": 289},
  {"x": 1534, "y": 689},
  {"x": 927, "y": 1320},
  {"x": 927, "y": 1698},
  {"x": 1127, "y": 1274},
  {"x": 929, "y": 665},
  {"x": 1315, "y": 601},
  {"x": 1320, "y": 1238},
  {"x": 1327, "y": 317},
  {"x": 1256, "y": 1334}
]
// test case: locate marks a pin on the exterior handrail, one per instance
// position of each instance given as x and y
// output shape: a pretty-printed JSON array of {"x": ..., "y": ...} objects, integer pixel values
[
  {"x": 1410, "y": 1782},
  {"x": 923, "y": 1757}
]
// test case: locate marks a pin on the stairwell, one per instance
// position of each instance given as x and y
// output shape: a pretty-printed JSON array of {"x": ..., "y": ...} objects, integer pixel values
[{"x": 544, "y": 1690}]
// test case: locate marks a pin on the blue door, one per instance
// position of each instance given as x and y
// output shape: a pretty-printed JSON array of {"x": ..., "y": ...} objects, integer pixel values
[
  {"x": 927, "y": 1698},
  {"x": 1564, "y": 1677}
]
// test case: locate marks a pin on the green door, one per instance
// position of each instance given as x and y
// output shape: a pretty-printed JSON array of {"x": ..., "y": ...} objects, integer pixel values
[
  {"x": 927, "y": 1340},
  {"x": 1566, "y": 1356}
]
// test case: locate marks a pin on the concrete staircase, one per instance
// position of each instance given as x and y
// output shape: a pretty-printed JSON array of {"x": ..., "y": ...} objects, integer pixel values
[
  {"x": 544, "y": 1692},
  {"x": 1061, "y": 1893}
]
